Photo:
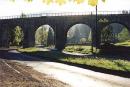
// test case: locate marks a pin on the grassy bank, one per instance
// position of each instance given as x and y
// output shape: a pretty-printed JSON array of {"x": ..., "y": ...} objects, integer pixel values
[
  {"x": 126, "y": 43},
  {"x": 104, "y": 62},
  {"x": 79, "y": 49},
  {"x": 116, "y": 65}
]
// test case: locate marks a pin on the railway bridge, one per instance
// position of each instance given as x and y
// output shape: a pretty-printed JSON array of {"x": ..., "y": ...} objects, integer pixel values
[{"x": 61, "y": 23}]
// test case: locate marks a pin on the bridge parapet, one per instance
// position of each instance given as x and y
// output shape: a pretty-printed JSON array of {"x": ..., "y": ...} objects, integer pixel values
[{"x": 65, "y": 14}]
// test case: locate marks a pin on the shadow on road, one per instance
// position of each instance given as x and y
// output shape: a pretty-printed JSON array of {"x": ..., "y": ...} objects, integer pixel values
[{"x": 55, "y": 56}]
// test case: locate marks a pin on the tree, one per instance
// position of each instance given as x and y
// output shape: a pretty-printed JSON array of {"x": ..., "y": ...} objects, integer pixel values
[
  {"x": 77, "y": 35},
  {"x": 73, "y": 35},
  {"x": 124, "y": 35},
  {"x": 107, "y": 35},
  {"x": 41, "y": 36},
  {"x": 50, "y": 39},
  {"x": 18, "y": 36}
]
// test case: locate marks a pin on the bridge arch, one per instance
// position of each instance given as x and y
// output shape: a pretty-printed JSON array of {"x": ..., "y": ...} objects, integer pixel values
[
  {"x": 16, "y": 36},
  {"x": 45, "y": 36},
  {"x": 79, "y": 36},
  {"x": 115, "y": 33},
  {"x": 7, "y": 30}
]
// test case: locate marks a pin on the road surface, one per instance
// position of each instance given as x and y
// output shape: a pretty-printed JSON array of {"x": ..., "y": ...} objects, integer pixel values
[{"x": 74, "y": 76}]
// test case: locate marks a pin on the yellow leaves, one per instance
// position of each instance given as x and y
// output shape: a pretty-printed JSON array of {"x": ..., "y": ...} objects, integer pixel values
[
  {"x": 93, "y": 2},
  {"x": 29, "y": 0},
  {"x": 48, "y": 1},
  {"x": 60, "y": 2},
  {"x": 79, "y": 1}
]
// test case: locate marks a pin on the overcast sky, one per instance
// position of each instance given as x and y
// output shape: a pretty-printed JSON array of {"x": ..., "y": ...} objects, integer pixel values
[{"x": 20, "y": 6}]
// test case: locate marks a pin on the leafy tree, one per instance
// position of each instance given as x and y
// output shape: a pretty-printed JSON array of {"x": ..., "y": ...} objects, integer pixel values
[
  {"x": 77, "y": 35},
  {"x": 18, "y": 36},
  {"x": 77, "y": 32},
  {"x": 50, "y": 39},
  {"x": 44, "y": 36},
  {"x": 107, "y": 34},
  {"x": 124, "y": 35},
  {"x": 41, "y": 36},
  {"x": 73, "y": 35}
]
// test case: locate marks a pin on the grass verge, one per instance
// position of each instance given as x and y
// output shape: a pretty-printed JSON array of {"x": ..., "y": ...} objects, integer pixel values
[
  {"x": 112, "y": 64},
  {"x": 79, "y": 49},
  {"x": 125, "y": 43}
]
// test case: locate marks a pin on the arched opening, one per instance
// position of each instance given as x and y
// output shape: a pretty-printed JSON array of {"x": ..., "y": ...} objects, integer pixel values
[
  {"x": 16, "y": 37},
  {"x": 115, "y": 34},
  {"x": 44, "y": 37},
  {"x": 79, "y": 39},
  {"x": 115, "y": 39}
]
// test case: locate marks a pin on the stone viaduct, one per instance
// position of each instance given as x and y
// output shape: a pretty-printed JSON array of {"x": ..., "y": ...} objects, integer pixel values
[{"x": 60, "y": 25}]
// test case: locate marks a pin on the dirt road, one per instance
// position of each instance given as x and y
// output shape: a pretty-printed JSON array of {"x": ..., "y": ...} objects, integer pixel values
[{"x": 13, "y": 74}]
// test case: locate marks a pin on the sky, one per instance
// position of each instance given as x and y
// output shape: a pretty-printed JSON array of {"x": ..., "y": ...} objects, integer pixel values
[{"x": 8, "y": 8}]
